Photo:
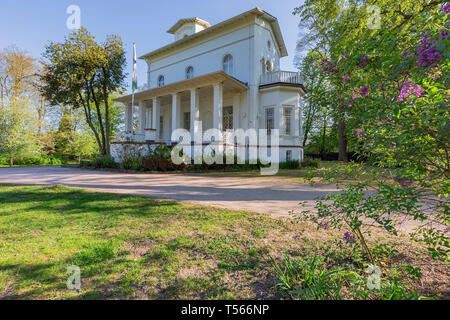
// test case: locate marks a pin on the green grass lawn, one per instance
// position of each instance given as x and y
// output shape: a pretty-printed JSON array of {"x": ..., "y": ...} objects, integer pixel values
[{"x": 136, "y": 247}]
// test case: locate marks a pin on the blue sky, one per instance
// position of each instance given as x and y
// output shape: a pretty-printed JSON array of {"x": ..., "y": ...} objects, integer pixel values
[{"x": 30, "y": 25}]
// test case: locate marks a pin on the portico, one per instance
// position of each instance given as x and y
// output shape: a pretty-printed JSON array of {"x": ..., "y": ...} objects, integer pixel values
[{"x": 185, "y": 104}]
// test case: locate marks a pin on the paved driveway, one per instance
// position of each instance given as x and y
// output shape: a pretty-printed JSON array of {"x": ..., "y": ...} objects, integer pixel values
[{"x": 273, "y": 196}]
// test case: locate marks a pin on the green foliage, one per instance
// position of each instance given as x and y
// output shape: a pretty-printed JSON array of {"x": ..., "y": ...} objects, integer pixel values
[
  {"x": 103, "y": 162},
  {"x": 309, "y": 278},
  {"x": 310, "y": 163},
  {"x": 17, "y": 125},
  {"x": 84, "y": 74},
  {"x": 35, "y": 161},
  {"x": 390, "y": 85},
  {"x": 132, "y": 163},
  {"x": 292, "y": 164}
]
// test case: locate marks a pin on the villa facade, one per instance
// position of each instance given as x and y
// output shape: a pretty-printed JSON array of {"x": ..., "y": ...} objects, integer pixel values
[{"x": 226, "y": 76}]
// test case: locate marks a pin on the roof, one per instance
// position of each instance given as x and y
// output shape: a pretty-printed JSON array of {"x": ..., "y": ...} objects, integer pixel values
[
  {"x": 181, "y": 22},
  {"x": 256, "y": 11},
  {"x": 184, "y": 85}
]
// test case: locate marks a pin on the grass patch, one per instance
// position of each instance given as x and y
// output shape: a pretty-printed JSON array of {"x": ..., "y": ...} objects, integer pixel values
[{"x": 131, "y": 247}]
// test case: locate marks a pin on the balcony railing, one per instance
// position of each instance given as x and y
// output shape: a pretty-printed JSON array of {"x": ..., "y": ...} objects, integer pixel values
[{"x": 280, "y": 77}]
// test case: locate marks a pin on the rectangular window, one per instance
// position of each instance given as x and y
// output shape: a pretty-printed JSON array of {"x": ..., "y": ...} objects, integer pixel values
[
  {"x": 288, "y": 155},
  {"x": 228, "y": 118},
  {"x": 161, "y": 128},
  {"x": 187, "y": 121},
  {"x": 270, "y": 120},
  {"x": 287, "y": 120}
]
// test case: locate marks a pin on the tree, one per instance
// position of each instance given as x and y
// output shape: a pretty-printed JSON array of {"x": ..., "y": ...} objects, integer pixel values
[
  {"x": 392, "y": 83},
  {"x": 83, "y": 74},
  {"x": 317, "y": 104},
  {"x": 17, "y": 74},
  {"x": 318, "y": 20},
  {"x": 17, "y": 129},
  {"x": 81, "y": 145},
  {"x": 65, "y": 132}
]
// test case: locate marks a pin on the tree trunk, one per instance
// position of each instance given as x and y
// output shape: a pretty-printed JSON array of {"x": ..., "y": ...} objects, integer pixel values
[
  {"x": 11, "y": 161},
  {"x": 324, "y": 135},
  {"x": 100, "y": 122},
  {"x": 107, "y": 123},
  {"x": 342, "y": 141}
]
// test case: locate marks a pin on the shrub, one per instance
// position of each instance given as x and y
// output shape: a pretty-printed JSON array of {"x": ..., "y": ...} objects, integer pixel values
[
  {"x": 104, "y": 162},
  {"x": 155, "y": 163},
  {"x": 35, "y": 161},
  {"x": 312, "y": 163},
  {"x": 132, "y": 163},
  {"x": 291, "y": 164}
]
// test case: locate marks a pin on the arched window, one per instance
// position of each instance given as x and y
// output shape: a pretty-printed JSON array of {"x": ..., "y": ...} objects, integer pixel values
[
  {"x": 228, "y": 64},
  {"x": 189, "y": 72},
  {"x": 160, "y": 81},
  {"x": 268, "y": 66}
]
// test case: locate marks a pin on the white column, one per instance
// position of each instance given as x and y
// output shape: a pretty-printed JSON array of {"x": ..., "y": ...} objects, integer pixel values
[
  {"x": 156, "y": 115},
  {"x": 218, "y": 106},
  {"x": 236, "y": 110},
  {"x": 148, "y": 118},
  {"x": 142, "y": 107},
  {"x": 128, "y": 118},
  {"x": 176, "y": 105},
  {"x": 195, "y": 112}
]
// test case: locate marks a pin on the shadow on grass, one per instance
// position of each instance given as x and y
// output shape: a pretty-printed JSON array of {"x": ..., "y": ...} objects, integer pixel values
[{"x": 58, "y": 199}]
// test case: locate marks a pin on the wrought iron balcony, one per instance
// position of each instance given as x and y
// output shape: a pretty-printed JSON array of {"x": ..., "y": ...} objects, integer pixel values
[{"x": 281, "y": 77}]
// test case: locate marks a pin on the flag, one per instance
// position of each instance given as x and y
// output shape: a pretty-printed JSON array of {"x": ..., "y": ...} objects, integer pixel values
[{"x": 134, "y": 85}]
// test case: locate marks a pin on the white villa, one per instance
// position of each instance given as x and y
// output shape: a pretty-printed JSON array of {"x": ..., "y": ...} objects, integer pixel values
[{"x": 226, "y": 76}]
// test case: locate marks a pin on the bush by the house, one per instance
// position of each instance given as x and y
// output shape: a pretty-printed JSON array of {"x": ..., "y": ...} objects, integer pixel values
[
  {"x": 162, "y": 164},
  {"x": 291, "y": 164},
  {"x": 103, "y": 162},
  {"x": 132, "y": 163}
]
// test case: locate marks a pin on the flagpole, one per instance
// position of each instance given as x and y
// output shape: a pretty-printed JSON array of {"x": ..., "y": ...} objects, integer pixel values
[{"x": 134, "y": 83}]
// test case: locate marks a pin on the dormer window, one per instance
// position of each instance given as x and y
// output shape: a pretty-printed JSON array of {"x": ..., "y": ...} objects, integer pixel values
[
  {"x": 228, "y": 64},
  {"x": 189, "y": 72},
  {"x": 161, "y": 81}
]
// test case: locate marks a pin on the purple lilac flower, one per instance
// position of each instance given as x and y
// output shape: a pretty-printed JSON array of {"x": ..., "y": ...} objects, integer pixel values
[
  {"x": 364, "y": 91},
  {"x": 364, "y": 61},
  {"x": 346, "y": 78},
  {"x": 324, "y": 226},
  {"x": 446, "y": 8},
  {"x": 329, "y": 67},
  {"x": 348, "y": 237},
  {"x": 427, "y": 52},
  {"x": 410, "y": 89}
]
